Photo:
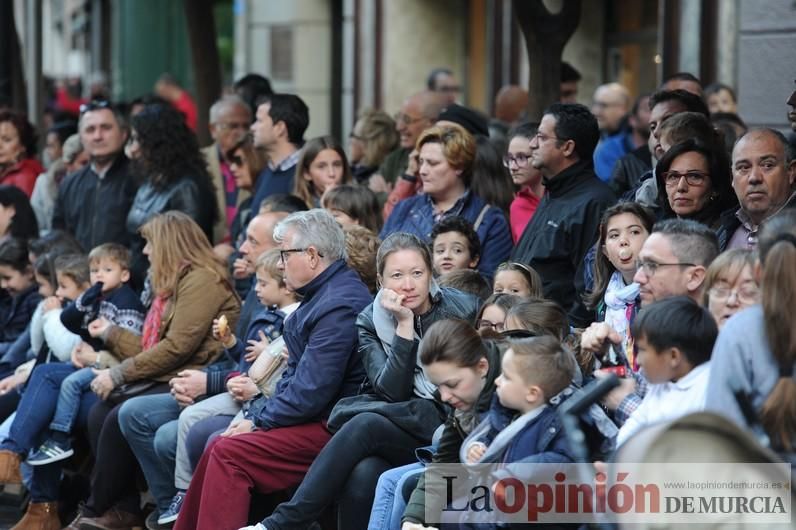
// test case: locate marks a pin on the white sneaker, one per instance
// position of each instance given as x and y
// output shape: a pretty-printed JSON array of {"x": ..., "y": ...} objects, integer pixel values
[{"x": 258, "y": 526}]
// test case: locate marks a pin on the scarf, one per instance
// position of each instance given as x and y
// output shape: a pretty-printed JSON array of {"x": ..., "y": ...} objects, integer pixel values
[
  {"x": 151, "y": 333},
  {"x": 620, "y": 302},
  {"x": 385, "y": 325}
]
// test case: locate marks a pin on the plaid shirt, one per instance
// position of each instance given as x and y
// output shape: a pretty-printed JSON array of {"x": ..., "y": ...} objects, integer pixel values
[{"x": 632, "y": 400}]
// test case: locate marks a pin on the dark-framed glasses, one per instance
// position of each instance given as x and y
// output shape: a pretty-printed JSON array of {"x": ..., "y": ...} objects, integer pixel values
[
  {"x": 285, "y": 253},
  {"x": 692, "y": 178},
  {"x": 519, "y": 160}
]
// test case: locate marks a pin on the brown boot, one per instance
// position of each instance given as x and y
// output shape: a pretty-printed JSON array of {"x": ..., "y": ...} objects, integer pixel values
[
  {"x": 40, "y": 516},
  {"x": 9, "y": 467},
  {"x": 113, "y": 519}
]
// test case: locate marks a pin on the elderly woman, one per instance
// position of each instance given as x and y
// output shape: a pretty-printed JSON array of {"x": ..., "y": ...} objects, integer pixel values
[
  {"x": 696, "y": 182},
  {"x": 446, "y": 155},
  {"x": 272, "y": 449},
  {"x": 18, "y": 165},
  {"x": 191, "y": 289}
]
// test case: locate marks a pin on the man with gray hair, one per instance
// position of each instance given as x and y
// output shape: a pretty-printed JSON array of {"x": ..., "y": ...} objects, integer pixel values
[
  {"x": 230, "y": 118},
  {"x": 274, "y": 446}
]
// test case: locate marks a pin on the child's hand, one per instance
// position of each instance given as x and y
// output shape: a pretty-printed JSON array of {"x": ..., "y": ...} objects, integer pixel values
[
  {"x": 84, "y": 355},
  {"x": 97, "y": 328},
  {"x": 475, "y": 452},
  {"x": 256, "y": 347},
  {"x": 50, "y": 303},
  {"x": 242, "y": 388},
  {"x": 222, "y": 333}
]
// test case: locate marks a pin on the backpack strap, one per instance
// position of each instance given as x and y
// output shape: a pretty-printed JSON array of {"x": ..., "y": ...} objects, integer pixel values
[{"x": 480, "y": 218}]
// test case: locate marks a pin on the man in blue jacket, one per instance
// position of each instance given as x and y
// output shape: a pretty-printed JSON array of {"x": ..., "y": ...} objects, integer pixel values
[{"x": 272, "y": 449}]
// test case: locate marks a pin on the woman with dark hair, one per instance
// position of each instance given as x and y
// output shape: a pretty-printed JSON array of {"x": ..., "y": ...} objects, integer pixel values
[
  {"x": 18, "y": 165},
  {"x": 446, "y": 156},
  {"x": 16, "y": 214},
  {"x": 694, "y": 182},
  {"x": 322, "y": 166},
  {"x": 491, "y": 179},
  {"x": 245, "y": 163},
  {"x": 166, "y": 152}
]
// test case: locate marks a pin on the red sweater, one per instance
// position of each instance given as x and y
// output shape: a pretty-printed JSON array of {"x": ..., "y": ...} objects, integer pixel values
[
  {"x": 521, "y": 210},
  {"x": 186, "y": 105},
  {"x": 23, "y": 175}
]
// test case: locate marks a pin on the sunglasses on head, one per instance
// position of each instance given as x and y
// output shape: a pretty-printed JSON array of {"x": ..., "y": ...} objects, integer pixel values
[{"x": 94, "y": 105}]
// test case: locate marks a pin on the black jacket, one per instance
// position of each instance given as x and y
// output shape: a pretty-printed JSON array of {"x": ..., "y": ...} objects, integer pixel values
[
  {"x": 729, "y": 222},
  {"x": 184, "y": 195},
  {"x": 95, "y": 210},
  {"x": 561, "y": 232}
]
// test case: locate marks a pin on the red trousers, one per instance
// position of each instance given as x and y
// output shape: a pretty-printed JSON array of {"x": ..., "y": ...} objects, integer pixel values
[{"x": 232, "y": 468}]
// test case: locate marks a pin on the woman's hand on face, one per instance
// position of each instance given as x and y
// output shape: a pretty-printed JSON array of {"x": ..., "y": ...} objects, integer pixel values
[
  {"x": 98, "y": 327},
  {"x": 102, "y": 385},
  {"x": 413, "y": 166},
  {"x": 392, "y": 302}
]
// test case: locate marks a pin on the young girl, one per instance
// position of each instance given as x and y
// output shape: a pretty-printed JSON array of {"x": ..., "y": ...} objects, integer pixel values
[
  {"x": 539, "y": 317},
  {"x": 353, "y": 205},
  {"x": 525, "y": 176},
  {"x": 322, "y": 166},
  {"x": 492, "y": 316},
  {"x": 517, "y": 278},
  {"x": 16, "y": 277},
  {"x": 623, "y": 230}
]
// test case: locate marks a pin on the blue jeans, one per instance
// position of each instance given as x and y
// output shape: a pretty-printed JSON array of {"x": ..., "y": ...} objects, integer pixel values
[
  {"x": 139, "y": 420},
  {"x": 72, "y": 389},
  {"x": 30, "y": 424},
  {"x": 389, "y": 503}
]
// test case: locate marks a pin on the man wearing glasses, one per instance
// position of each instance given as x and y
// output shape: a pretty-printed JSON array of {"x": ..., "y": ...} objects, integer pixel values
[
  {"x": 564, "y": 226},
  {"x": 442, "y": 81},
  {"x": 672, "y": 262},
  {"x": 93, "y": 203},
  {"x": 230, "y": 119},
  {"x": 418, "y": 112}
]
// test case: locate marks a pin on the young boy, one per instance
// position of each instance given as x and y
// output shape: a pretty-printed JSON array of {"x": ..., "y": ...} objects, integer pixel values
[
  {"x": 108, "y": 297},
  {"x": 264, "y": 332},
  {"x": 454, "y": 245},
  {"x": 675, "y": 338},
  {"x": 519, "y": 428}
]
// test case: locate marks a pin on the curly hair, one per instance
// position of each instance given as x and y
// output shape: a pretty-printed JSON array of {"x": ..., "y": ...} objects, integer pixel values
[
  {"x": 362, "y": 245},
  {"x": 27, "y": 133},
  {"x": 169, "y": 149}
]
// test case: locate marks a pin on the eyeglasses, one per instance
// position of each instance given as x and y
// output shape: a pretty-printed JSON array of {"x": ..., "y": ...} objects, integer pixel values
[
  {"x": 232, "y": 126},
  {"x": 94, "y": 105},
  {"x": 746, "y": 294},
  {"x": 354, "y": 137},
  {"x": 484, "y": 324},
  {"x": 237, "y": 160},
  {"x": 692, "y": 178},
  {"x": 541, "y": 137},
  {"x": 285, "y": 253},
  {"x": 650, "y": 267},
  {"x": 455, "y": 89},
  {"x": 407, "y": 119},
  {"x": 521, "y": 160}
]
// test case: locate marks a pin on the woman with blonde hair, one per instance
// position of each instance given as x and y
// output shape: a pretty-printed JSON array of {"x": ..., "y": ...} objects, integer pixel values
[
  {"x": 191, "y": 288},
  {"x": 374, "y": 136},
  {"x": 446, "y": 155},
  {"x": 322, "y": 166}
]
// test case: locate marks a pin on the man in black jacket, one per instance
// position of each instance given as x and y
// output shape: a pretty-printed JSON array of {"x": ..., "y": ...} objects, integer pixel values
[
  {"x": 93, "y": 203},
  {"x": 565, "y": 225}
]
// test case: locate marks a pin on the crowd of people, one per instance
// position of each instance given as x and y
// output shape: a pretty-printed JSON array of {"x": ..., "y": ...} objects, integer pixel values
[{"x": 282, "y": 332}]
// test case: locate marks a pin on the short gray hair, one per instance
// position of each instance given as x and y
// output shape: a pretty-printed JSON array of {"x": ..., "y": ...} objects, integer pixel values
[
  {"x": 226, "y": 102},
  {"x": 315, "y": 228}
]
